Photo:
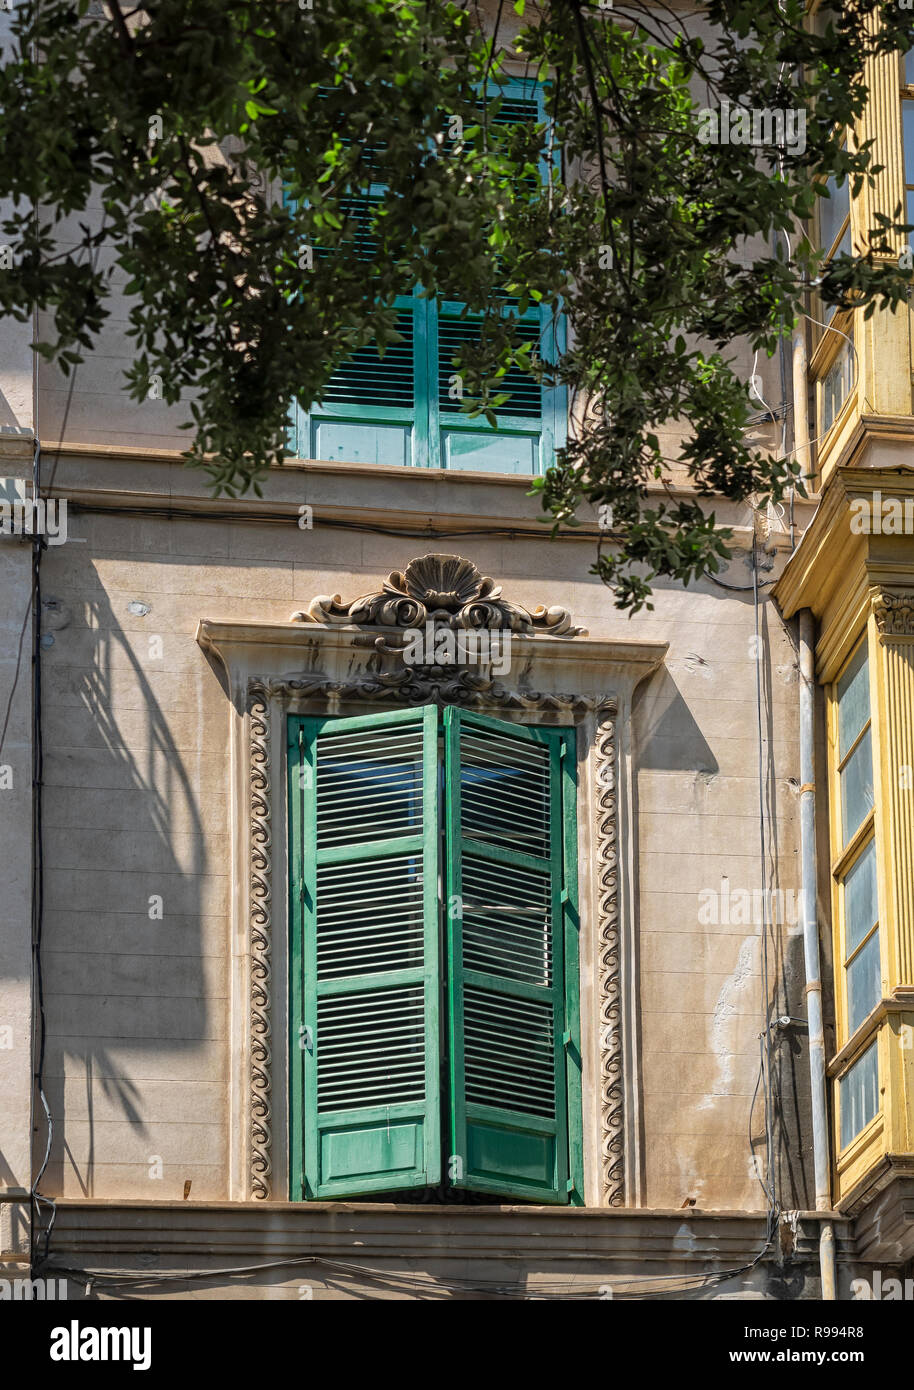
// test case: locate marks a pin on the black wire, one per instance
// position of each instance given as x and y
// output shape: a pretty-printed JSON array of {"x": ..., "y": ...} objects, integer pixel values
[{"x": 685, "y": 1283}]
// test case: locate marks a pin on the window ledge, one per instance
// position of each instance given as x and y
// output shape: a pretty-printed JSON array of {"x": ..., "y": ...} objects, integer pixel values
[
  {"x": 583, "y": 1236},
  {"x": 901, "y": 1000}
]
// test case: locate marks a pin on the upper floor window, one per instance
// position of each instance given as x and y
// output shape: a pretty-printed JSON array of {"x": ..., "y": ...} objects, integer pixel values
[
  {"x": 405, "y": 407},
  {"x": 858, "y": 950},
  {"x": 855, "y": 747},
  {"x": 838, "y": 383},
  {"x": 835, "y": 219},
  {"x": 834, "y": 358},
  {"x": 433, "y": 977},
  {"x": 858, "y": 1095}
]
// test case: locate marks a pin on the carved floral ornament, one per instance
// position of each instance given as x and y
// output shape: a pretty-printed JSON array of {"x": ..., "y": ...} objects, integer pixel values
[
  {"x": 445, "y": 590},
  {"x": 894, "y": 613}
]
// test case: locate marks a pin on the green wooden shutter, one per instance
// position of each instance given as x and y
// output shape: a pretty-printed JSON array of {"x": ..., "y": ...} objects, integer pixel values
[
  {"x": 365, "y": 968},
  {"x": 507, "y": 842},
  {"x": 532, "y": 423},
  {"x": 373, "y": 409}
]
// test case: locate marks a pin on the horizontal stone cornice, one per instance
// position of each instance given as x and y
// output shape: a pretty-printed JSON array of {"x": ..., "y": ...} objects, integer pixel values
[{"x": 450, "y": 1234}]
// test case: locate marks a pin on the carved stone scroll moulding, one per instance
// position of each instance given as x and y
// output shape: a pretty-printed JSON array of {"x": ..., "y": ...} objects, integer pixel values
[
  {"x": 261, "y": 939},
  {"x": 446, "y": 590},
  {"x": 415, "y": 688},
  {"x": 334, "y": 671},
  {"x": 894, "y": 613},
  {"x": 609, "y": 947}
]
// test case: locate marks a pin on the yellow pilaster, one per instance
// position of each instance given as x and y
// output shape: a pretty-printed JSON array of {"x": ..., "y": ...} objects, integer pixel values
[
  {"x": 894, "y": 649},
  {"x": 884, "y": 339}
]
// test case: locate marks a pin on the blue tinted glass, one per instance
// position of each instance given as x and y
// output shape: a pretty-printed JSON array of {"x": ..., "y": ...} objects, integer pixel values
[
  {"x": 335, "y": 439},
  {"x": 838, "y": 382},
  {"x": 864, "y": 984},
  {"x": 832, "y": 212},
  {"x": 853, "y": 700},
  {"x": 858, "y": 1094},
  {"x": 909, "y": 68},
  {"x": 491, "y": 453},
  {"x": 860, "y": 910},
  {"x": 857, "y": 786}
]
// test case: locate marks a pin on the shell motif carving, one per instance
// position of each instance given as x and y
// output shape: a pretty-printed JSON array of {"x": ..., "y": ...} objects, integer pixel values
[{"x": 446, "y": 590}]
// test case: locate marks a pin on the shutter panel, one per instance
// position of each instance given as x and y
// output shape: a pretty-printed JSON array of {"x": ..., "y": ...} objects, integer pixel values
[
  {"x": 369, "y": 980},
  {"x": 506, "y": 957},
  {"x": 373, "y": 407},
  {"x": 531, "y": 424}
]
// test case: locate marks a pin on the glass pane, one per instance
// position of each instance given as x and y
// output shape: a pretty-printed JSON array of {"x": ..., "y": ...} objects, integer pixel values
[
  {"x": 864, "y": 984},
  {"x": 853, "y": 699},
  {"x": 858, "y": 1095},
  {"x": 491, "y": 453},
  {"x": 832, "y": 212},
  {"x": 861, "y": 912},
  {"x": 857, "y": 786},
  {"x": 837, "y": 384},
  {"x": 909, "y": 68},
  {"x": 334, "y": 439}
]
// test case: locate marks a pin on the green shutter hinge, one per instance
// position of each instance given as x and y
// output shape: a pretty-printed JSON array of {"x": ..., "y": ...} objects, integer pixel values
[
  {"x": 569, "y": 1185},
  {"x": 566, "y": 1038},
  {"x": 565, "y": 895},
  {"x": 301, "y": 890}
]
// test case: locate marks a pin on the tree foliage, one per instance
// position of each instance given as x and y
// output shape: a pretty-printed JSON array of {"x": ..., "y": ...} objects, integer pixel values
[{"x": 156, "y": 142}]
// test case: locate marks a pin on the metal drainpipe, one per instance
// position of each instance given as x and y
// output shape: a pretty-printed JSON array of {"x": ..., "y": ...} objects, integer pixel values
[
  {"x": 801, "y": 441},
  {"x": 811, "y": 953}
]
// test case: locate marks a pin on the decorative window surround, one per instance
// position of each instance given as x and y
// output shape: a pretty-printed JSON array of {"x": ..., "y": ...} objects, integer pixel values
[{"x": 271, "y": 669}]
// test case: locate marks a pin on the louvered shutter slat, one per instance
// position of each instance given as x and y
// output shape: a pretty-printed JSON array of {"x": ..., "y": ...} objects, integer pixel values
[
  {"x": 369, "y": 972},
  {"x": 506, "y": 957}
]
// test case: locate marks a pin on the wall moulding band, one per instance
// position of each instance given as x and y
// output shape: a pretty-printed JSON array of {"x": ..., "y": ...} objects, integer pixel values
[{"x": 250, "y": 659}]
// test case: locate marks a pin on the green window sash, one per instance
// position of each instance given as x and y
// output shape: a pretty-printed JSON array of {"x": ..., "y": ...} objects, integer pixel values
[
  {"x": 509, "y": 1038},
  {"x": 370, "y": 415},
  {"x": 365, "y": 969}
]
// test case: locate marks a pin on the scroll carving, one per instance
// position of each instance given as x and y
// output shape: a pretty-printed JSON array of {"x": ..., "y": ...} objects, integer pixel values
[
  {"x": 261, "y": 944},
  {"x": 446, "y": 590},
  {"x": 894, "y": 613},
  {"x": 612, "y": 1081},
  {"x": 422, "y": 685}
]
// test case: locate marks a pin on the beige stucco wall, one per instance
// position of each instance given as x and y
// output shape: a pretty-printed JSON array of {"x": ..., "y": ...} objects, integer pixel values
[
  {"x": 16, "y": 1004},
  {"x": 139, "y": 802}
]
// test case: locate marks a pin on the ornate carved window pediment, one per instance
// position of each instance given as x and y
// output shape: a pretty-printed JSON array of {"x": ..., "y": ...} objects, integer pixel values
[{"x": 447, "y": 591}]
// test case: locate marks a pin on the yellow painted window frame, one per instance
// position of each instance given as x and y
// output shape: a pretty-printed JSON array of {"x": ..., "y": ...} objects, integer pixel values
[
  {"x": 830, "y": 336},
  {"x": 843, "y": 859}
]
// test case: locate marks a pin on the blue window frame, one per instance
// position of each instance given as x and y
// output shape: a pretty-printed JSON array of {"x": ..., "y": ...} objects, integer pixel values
[{"x": 404, "y": 408}]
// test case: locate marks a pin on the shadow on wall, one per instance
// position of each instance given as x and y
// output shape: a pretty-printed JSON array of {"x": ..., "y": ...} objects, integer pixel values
[
  {"x": 667, "y": 738},
  {"x": 124, "y": 858},
  {"x": 9, "y": 423},
  {"x": 666, "y": 735}
]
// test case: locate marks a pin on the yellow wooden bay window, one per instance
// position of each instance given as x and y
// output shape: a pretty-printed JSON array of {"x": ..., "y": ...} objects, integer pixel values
[{"x": 858, "y": 962}]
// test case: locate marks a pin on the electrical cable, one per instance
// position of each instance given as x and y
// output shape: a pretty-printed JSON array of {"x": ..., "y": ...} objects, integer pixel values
[
  {"x": 675, "y": 1285},
  {"x": 769, "y": 1096},
  {"x": 35, "y": 1197}
]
